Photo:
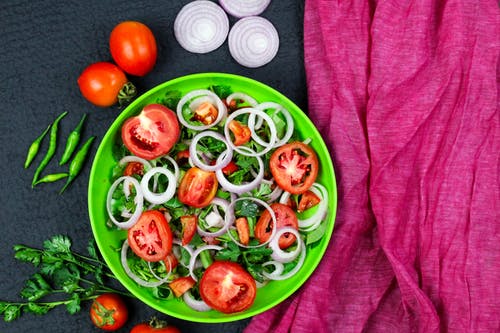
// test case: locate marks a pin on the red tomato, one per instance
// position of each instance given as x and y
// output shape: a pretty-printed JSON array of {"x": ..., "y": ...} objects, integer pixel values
[
  {"x": 285, "y": 217},
  {"x": 133, "y": 47},
  {"x": 170, "y": 261},
  {"x": 154, "y": 326},
  {"x": 182, "y": 284},
  {"x": 241, "y": 132},
  {"x": 134, "y": 168},
  {"x": 189, "y": 227},
  {"x": 151, "y": 238},
  {"x": 227, "y": 287},
  {"x": 243, "y": 230},
  {"x": 230, "y": 168},
  {"x": 294, "y": 167},
  {"x": 102, "y": 82},
  {"x": 197, "y": 187},
  {"x": 152, "y": 133},
  {"x": 307, "y": 200},
  {"x": 206, "y": 113},
  {"x": 109, "y": 312}
]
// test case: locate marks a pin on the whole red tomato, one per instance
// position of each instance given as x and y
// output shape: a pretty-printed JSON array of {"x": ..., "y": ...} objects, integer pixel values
[
  {"x": 104, "y": 84},
  {"x": 109, "y": 312},
  {"x": 133, "y": 47},
  {"x": 155, "y": 326}
]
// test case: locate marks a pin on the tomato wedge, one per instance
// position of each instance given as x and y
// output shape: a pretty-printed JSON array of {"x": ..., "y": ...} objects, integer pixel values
[
  {"x": 294, "y": 166},
  {"x": 206, "y": 113},
  {"x": 197, "y": 187},
  {"x": 227, "y": 287},
  {"x": 285, "y": 217},
  {"x": 152, "y": 133},
  {"x": 182, "y": 284},
  {"x": 151, "y": 238},
  {"x": 240, "y": 131},
  {"x": 243, "y": 230},
  {"x": 188, "y": 223},
  {"x": 307, "y": 200}
]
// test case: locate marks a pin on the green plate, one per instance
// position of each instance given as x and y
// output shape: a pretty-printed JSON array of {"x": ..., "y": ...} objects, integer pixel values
[{"x": 109, "y": 240}]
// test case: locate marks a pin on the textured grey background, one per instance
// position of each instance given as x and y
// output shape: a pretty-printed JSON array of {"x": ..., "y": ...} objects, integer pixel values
[{"x": 44, "y": 45}]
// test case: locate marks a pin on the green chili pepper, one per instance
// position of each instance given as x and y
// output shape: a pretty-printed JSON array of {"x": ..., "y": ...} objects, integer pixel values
[
  {"x": 72, "y": 142},
  {"x": 33, "y": 149},
  {"x": 51, "y": 150},
  {"x": 53, "y": 177},
  {"x": 77, "y": 163}
]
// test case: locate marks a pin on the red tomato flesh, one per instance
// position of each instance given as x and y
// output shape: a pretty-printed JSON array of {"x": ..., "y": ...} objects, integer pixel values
[
  {"x": 285, "y": 217},
  {"x": 198, "y": 187}
]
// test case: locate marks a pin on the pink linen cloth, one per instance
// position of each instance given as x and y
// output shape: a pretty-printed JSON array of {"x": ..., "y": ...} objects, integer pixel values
[{"x": 406, "y": 95}]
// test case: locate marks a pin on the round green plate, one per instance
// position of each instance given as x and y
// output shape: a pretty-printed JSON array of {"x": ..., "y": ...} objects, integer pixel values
[{"x": 109, "y": 240}]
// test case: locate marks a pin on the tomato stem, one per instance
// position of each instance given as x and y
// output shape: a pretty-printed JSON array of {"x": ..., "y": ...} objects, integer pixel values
[{"x": 127, "y": 94}]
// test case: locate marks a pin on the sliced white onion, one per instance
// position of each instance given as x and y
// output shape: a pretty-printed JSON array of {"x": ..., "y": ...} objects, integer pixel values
[
  {"x": 173, "y": 163},
  {"x": 221, "y": 108},
  {"x": 231, "y": 217},
  {"x": 197, "y": 305},
  {"x": 192, "y": 262},
  {"x": 243, "y": 149},
  {"x": 132, "y": 158},
  {"x": 223, "y": 229},
  {"x": 292, "y": 272},
  {"x": 138, "y": 200},
  {"x": 253, "y": 41},
  {"x": 275, "y": 194},
  {"x": 279, "y": 108},
  {"x": 221, "y": 162},
  {"x": 242, "y": 96},
  {"x": 279, "y": 254},
  {"x": 195, "y": 103},
  {"x": 201, "y": 26},
  {"x": 159, "y": 198},
  {"x": 150, "y": 284},
  {"x": 242, "y": 8},
  {"x": 242, "y": 188},
  {"x": 169, "y": 271},
  {"x": 186, "y": 247}
]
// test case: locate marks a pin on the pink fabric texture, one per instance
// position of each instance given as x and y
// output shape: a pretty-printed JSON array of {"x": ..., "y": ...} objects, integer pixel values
[{"x": 406, "y": 95}]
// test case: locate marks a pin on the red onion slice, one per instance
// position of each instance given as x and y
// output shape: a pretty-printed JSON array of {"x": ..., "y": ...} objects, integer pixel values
[
  {"x": 202, "y": 248},
  {"x": 253, "y": 41},
  {"x": 281, "y": 255},
  {"x": 197, "y": 305},
  {"x": 242, "y": 8},
  {"x": 159, "y": 198},
  {"x": 201, "y": 26},
  {"x": 221, "y": 108},
  {"x": 223, "y": 159},
  {"x": 144, "y": 283},
  {"x": 139, "y": 202}
]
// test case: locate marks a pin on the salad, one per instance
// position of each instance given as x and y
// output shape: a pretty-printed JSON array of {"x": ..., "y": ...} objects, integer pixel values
[{"x": 218, "y": 197}]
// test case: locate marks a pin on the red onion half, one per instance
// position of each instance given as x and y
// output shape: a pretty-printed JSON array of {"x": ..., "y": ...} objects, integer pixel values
[
  {"x": 253, "y": 41},
  {"x": 242, "y": 8},
  {"x": 201, "y": 26}
]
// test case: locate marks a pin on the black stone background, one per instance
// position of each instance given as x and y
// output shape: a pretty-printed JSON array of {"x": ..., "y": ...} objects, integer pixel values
[{"x": 44, "y": 45}]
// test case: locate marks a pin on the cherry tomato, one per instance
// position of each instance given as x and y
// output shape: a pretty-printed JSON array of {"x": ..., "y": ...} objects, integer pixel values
[
  {"x": 227, "y": 287},
  {"x": 151, "y": 238},
  {"x": 152, "y": 133},
  {"x": 294, "y": 166},
  {"x": 181, "y": 284},
  {"x": 197, "y": 187},
  {"x": 189, "y": 223},
  {"x": 109, "y": 312},
  {"x": 285, "y": 217},
  {"x": 133, "y": 47},
  {"x": 155, "y": 326},
  {"x": 104, "y": 84},
  {"x": 240, "y": 131}
]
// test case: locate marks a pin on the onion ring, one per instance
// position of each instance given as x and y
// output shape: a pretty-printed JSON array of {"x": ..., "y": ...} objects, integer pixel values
[
  {"x": 221, "y": 162},
  {"x": 159, "y": 198},
  {"x": 280, "y": 255},
  {"x": 192, "y": 261},
  {"x": 139, "y": 201},
  {"x": 197, "y": 305},
  {"x": 292, "y": 272},
  {"x": 242, "y": 188}
]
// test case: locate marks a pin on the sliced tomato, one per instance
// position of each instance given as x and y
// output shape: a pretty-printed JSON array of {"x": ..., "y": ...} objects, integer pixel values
[
  {"x": 197, "y": 187},
  {"x": 151, "y": 238},
  {"x": 134, "y": 168},
  {"x": 285, "y": 217},
  {"x": 240, "y": 132},
  {"x": 230, "y": 168},
  {"x": 182, "y": 284},
  {"x": 152, "y": 133},
  {"x": 206, "y": 113},
  {"x": 171, "y": 261},
  {"x": 294, "y": 167},
  {"x": 227, "y": 287},
  {"x": 189, "y": 223},
  {"x": 182, "y": 157},
  {"x": 307, "y": 200},
  {"x": 243, "y": 230}
]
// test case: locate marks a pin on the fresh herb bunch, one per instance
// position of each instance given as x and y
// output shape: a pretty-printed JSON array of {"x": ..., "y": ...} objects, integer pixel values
[{"x": 63, "y": 278}]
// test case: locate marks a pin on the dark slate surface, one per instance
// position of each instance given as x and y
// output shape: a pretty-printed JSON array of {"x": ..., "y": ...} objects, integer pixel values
[{"x": 44, "y": 45}]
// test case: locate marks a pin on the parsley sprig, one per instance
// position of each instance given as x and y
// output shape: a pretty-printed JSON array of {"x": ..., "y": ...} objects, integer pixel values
[{"x": 64, "y": 278}]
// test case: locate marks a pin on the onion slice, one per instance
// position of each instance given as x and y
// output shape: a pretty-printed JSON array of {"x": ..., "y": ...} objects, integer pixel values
[
  {"x": 242, "y": 8},
  {"x": 281, "y": 255},
  {"x": 292, "y": 272},
  {"x": 242, "y": 188},
  {"x": 223, "y": 159},
  {"x": 192, "y": 261},
  {"x": 223, "y": 229},
  {"x": 139, "y": 202},
  {"x": 253, "y": 41},
  {"x": 197, "y": 305},
  {"x": 159, "y": 198},
  {"x": 201, "y": 26}
]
